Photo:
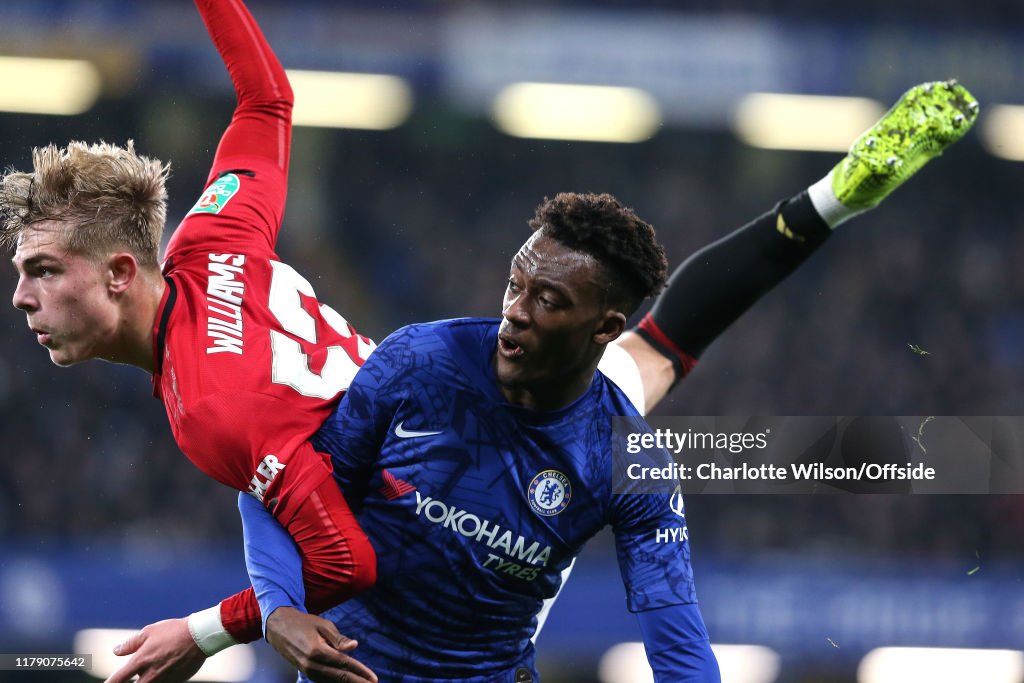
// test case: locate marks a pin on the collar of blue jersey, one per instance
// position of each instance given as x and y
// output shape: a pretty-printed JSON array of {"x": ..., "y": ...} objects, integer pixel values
[{"x": 546, "y": 417}]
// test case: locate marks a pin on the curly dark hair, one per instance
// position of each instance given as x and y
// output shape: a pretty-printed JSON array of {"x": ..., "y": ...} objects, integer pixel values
[{"x": 599, "y": 225}]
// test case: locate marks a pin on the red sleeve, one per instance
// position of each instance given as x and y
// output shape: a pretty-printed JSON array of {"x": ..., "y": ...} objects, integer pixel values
[
  {"x": 261, "y": 125},
  {"x": 241, "y": 617},
  {"x": 338, "y": 560},
  {"x": 244, "y": 199}
]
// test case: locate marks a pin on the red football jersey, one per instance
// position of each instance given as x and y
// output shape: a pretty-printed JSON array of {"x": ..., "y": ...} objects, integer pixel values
[{"x": 248, "y": 363}]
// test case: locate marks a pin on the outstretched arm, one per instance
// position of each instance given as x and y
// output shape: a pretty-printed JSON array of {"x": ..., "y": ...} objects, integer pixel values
[
  {"x": 262, "y": 122},
  {"x": 716, "y": 285},
  {"x": 254, "y": 150}
]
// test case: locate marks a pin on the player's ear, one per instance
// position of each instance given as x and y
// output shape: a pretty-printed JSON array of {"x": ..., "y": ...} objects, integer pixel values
[
  {"x": 612, "y": 324},
  {"x": 121, "y": 270}
]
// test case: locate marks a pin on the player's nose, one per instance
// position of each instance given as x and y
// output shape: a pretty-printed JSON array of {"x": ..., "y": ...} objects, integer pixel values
[
  {"x": 23, "y": 299},
  {"x": 515, "y": 311}
]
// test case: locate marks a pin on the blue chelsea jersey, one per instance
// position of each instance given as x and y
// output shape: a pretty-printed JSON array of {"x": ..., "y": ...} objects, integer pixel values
[{"x": 475, "y": 506}]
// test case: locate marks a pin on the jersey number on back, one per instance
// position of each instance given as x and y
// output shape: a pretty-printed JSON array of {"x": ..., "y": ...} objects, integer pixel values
[{"x": 290, "y": 363}]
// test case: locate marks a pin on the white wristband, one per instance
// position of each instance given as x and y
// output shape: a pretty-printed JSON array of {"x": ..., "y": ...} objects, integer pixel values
[{"x": 208, "y": 631}]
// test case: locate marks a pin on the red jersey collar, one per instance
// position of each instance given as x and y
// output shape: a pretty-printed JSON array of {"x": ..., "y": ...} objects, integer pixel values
[{"x": 163, "y": 314}]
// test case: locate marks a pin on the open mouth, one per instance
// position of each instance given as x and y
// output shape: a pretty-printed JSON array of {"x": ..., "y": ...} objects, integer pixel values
[
  {"x": 508, "y": 348},
  {"x": 41, "y": 336}
]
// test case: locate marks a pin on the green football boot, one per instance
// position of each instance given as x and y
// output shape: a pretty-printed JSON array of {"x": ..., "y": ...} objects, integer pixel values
[{"x": 926, "y": 120}]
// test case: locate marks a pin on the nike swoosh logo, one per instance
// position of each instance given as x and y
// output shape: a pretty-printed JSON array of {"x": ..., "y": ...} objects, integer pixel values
[{"x": 403, "y": 433}]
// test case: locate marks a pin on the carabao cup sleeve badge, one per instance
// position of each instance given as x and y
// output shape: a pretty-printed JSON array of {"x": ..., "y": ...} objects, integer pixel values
[
  {"x": 217, "y": 195},
  {"x": 549, "y": 493}
]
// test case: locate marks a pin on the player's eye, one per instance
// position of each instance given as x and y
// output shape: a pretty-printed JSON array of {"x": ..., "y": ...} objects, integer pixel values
[
  {"x": 549, "y": 304},
  {"x": 512, "y": 286}
]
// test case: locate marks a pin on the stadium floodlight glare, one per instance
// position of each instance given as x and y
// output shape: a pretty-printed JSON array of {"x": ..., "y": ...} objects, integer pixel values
[
  {"x": 235, "y": 664},
  {"x": 940, "y": 665},
  {"x": 333, "y": 99},
  {"x": 592, "y": 113},
  {"x": 804, "y": 122},
  {"x": 48, "y": 86},
  {"x": 1002, "y": 131},
  {"x": 627, "y": 663}
]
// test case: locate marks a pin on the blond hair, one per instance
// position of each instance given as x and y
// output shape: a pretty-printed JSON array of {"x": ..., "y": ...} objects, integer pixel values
[{"x": 108, "y": 198}]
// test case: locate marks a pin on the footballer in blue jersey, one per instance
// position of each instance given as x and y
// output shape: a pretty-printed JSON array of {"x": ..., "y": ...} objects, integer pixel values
[
  {"x": 476, "y": 506},
  {"x": 479, "y": 453}
]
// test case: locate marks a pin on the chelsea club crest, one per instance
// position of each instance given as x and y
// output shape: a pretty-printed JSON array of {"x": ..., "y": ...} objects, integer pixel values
[{"x": 549, "y": 492}]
